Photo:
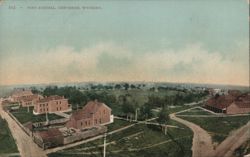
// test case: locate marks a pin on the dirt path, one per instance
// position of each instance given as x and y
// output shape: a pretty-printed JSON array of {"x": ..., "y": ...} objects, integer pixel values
[
  {"x": 26, "y": 146},
  {"x": 227, "y": 147},
  {"x": 202, "y": 142}
]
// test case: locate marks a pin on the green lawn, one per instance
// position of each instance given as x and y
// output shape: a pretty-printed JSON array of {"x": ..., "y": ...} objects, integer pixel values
[
  {"x": 195, "y": 111},
  {"x": 219, "y": 127},
  {"x": 117, "y": 124},
  {"x": 138, "y": 141},
  {"x": 7, "y": 143},
  {"x": 24, "y": 116}
]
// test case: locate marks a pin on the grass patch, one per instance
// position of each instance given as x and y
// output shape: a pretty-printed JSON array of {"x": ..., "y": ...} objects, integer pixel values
[
  {"x": 117, "y": 124},
  {"x": 7, "y": 142},
  {"x": 219, "y": 127},
  {"x": 195, "y": 111},
  {"x": 23, "y": 116}
]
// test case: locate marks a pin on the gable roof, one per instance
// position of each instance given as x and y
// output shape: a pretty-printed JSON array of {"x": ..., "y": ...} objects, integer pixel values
[
  {"x": 50, "y": 133},
  {"x": 19, "y": 93},
  {"x": 223, "y": 101},
  {"x": 29, "y": 98},
  {"x": 50, "y": 98},
  {"x": 88, "y": 110}
]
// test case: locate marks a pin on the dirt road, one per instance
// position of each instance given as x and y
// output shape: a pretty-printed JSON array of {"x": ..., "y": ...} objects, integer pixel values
[
  {"x": 227, "y": 147},
  {"x": 26, "y": 146},
  {"x": 202, "y": 142}
]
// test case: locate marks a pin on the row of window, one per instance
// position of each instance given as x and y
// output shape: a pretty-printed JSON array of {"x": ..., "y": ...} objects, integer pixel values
[
  {"x": 43, "y": 105},
  {"x": 43, "y": 110},
  {"x": 87, "y": 123}
]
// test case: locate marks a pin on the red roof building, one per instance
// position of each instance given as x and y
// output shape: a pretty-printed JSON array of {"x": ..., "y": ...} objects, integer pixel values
[
  {"x": 233, "y": 103},
  {"x": 48, "y": 138},
  {"x": 94, "y": 113},
  {"x": 51, "y": 104}
]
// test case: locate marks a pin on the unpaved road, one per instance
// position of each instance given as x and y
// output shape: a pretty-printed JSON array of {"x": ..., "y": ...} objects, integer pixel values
[
  {"x": 26, "y": 146},
  {"x": 227, "y": 147},
  {"x": 202, "y": 142}
]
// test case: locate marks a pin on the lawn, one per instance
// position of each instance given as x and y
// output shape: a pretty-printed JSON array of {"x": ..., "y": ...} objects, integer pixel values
[
  {"x": 23, "y": 116},
  {"x": 195, "y": 111},
  {"x": 219, "y": 127},
  {"x": 7, "y": 143},
  {"x": 138, "y": 141},
  {"x": 117, "y": 124}
]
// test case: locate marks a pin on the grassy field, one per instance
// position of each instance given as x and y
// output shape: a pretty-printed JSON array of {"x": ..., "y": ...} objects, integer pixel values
[
  {"x": 195, "y": 111},
  {"x": 140, "y": 96},
  {"x": 219, "y": 127},
  {"x": 24, "y": 116},
  {"x": 7, "y": 143},
  {"x": 117, "y": 124},
  {"x": 138, "y": 141}
]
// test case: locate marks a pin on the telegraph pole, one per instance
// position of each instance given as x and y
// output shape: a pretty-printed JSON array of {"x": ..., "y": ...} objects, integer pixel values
[
  {"x": 47, "y": 119},
  {"x": 104, "y": 145},
  {"x": 136, "y": 114}
]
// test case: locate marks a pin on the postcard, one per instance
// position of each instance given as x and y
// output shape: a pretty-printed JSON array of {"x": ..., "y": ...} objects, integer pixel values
[{"x": 124, "y": 78}]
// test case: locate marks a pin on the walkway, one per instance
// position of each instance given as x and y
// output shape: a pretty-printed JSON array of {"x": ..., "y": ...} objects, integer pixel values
[
  {"x": 25, "y": 144},
  {"x": 202, "y": 142},
  {"x": 227, "y": 147}
]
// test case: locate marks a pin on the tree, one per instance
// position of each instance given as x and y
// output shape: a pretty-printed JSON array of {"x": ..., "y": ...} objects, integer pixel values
[
  {"x": 145, "y": 111},
  {"x": 118, "y": 86},
  {"x": 163, "y": 116},
  {"x": 128, "y": 109},
  {"x": 126, "y": 86},
  {"x": 132, "y": 86}
]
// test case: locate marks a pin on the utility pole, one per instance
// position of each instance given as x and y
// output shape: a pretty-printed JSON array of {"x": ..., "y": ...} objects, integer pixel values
[
  {"x": 136, "y": 114},
  {"x": 47, "y": 119},
  {"x": 104, "y": 145},
  {"x": 165, "y": 129}
]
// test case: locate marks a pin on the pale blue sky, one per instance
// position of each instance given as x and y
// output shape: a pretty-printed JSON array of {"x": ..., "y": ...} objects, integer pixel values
[{"x": 134, "y": 30}]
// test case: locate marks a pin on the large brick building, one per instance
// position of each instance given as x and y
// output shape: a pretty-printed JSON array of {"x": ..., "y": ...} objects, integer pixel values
[
  {"x": 30, "y": 100},
  {"x": 52, "y": 104},
  {"x": 25, "y": 97},
  {"x": 20, "y": 94},
  {"x": 233, "y": 103},
  {"x": 94, "y": 113}
]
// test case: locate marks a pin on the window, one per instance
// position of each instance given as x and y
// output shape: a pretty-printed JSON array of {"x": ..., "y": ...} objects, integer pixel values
[
  {"x": 60, "y": 102},
  {"x": 95, "y": 121},
  {"x": 100, "y": 121},
  {"x": 86, "y": 123},
  {"x": 40, "y": 105},
  {"x": 47, "y": 109},
  {"x": 81, "y": 123},
  {"x": 60, "y": 108},
  {"x": 57, "y": 108},
  {"x": 104, "y": 112}
]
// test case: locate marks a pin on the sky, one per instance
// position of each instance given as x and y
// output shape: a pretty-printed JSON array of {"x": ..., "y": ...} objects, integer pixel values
[{"x": 196, "y": 41}]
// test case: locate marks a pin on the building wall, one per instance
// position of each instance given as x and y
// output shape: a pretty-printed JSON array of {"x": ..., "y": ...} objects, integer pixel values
[
  {"x": 19, "y": 95},
  {"x": 84, "y": 123},
  {"x": 234, "y": 109},
  {"x": 51, "y": 106},
  {"x": 27, "y": 103},
  {"x": 102, "y": 116},
  {"x": 32, "y": 102}
]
